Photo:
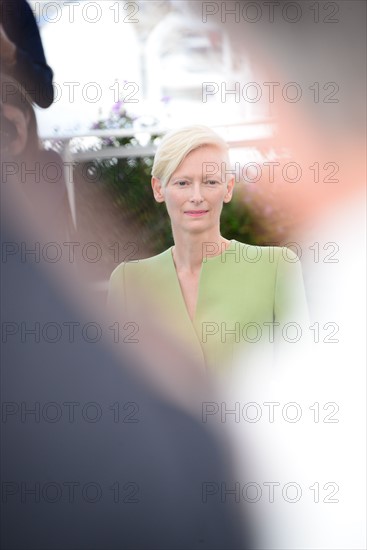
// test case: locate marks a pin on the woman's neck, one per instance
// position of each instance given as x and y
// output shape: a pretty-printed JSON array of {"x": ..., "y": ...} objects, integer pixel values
[{"x": 190, "y": 250}]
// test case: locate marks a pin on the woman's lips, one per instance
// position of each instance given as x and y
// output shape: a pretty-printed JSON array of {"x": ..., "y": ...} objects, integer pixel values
[{"x": 196, "y": 213}]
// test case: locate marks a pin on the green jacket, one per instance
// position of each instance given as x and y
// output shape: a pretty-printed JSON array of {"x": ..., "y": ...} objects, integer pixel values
[{"x": 247, "y": 295}]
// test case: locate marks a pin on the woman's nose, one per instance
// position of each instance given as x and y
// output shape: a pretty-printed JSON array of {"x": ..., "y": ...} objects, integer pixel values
[{"x": 196, "y": 193}]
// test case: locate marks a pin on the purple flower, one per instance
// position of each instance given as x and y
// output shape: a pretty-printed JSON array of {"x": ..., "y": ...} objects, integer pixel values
[
  {"x": 108, "y": 142},
  {"x": 117, "y": 107}
]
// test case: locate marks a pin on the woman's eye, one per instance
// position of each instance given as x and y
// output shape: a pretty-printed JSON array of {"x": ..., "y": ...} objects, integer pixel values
[
  {"x": 181, "y": 183},
  {"x": 211, "y": 182}
]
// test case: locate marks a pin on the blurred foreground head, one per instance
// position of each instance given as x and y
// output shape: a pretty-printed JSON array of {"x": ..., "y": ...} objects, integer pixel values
[{"x": 19, "y": 135}]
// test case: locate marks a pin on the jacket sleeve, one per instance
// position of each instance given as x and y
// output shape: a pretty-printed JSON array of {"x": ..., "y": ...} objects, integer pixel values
[{"x": 116, "y": 298}]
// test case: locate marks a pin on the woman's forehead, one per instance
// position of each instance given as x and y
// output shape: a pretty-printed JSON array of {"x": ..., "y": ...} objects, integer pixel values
[{"x": 205, "y": 153}]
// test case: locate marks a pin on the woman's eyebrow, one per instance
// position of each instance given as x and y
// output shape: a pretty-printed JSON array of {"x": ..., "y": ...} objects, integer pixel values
[{"x": 181, "y": 178}]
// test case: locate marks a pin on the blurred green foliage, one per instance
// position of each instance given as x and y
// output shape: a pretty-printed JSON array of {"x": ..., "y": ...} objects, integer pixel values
[{"x": 129, "y": 181}]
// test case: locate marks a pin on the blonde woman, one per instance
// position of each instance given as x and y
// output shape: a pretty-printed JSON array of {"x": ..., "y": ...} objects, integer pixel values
[{"x": 213, "y": 293}]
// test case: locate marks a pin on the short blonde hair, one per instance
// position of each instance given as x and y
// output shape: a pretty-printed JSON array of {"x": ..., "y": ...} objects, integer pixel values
[{"x": 177, "y": 144}]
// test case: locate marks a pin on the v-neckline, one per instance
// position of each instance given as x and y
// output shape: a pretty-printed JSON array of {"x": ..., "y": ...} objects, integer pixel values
[{"x": 178, "y": 285}]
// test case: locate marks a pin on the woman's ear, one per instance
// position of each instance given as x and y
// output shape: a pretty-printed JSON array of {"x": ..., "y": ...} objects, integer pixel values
[
  {"x": 229, "y": 193},
  {"x": 157, "y": 189}
]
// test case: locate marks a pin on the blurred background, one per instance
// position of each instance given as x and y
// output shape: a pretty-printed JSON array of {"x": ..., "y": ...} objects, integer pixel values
[
  {"x": 126, "y": 72},
  {"x": 274, "y": 79}
]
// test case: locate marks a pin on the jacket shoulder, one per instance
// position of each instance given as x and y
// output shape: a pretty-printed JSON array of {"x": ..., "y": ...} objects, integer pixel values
[
  {"x": 258, "y": 254},
  {"x": 140, "y": 266}
]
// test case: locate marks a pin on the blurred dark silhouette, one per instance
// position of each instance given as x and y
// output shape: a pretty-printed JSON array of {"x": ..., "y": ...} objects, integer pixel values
[
  {"x": 102, "y": 462},
  {"x": 22, "y": 55},
  {"x": 40, "y": 173}
]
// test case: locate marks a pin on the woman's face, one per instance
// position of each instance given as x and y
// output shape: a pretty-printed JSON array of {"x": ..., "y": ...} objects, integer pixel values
[
  {"x": 195, "y": 193},
  {"x": 20, "y": 121}
]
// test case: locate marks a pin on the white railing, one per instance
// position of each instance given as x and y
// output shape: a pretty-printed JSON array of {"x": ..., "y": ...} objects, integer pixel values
[{"x": 248, "y": 134}]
